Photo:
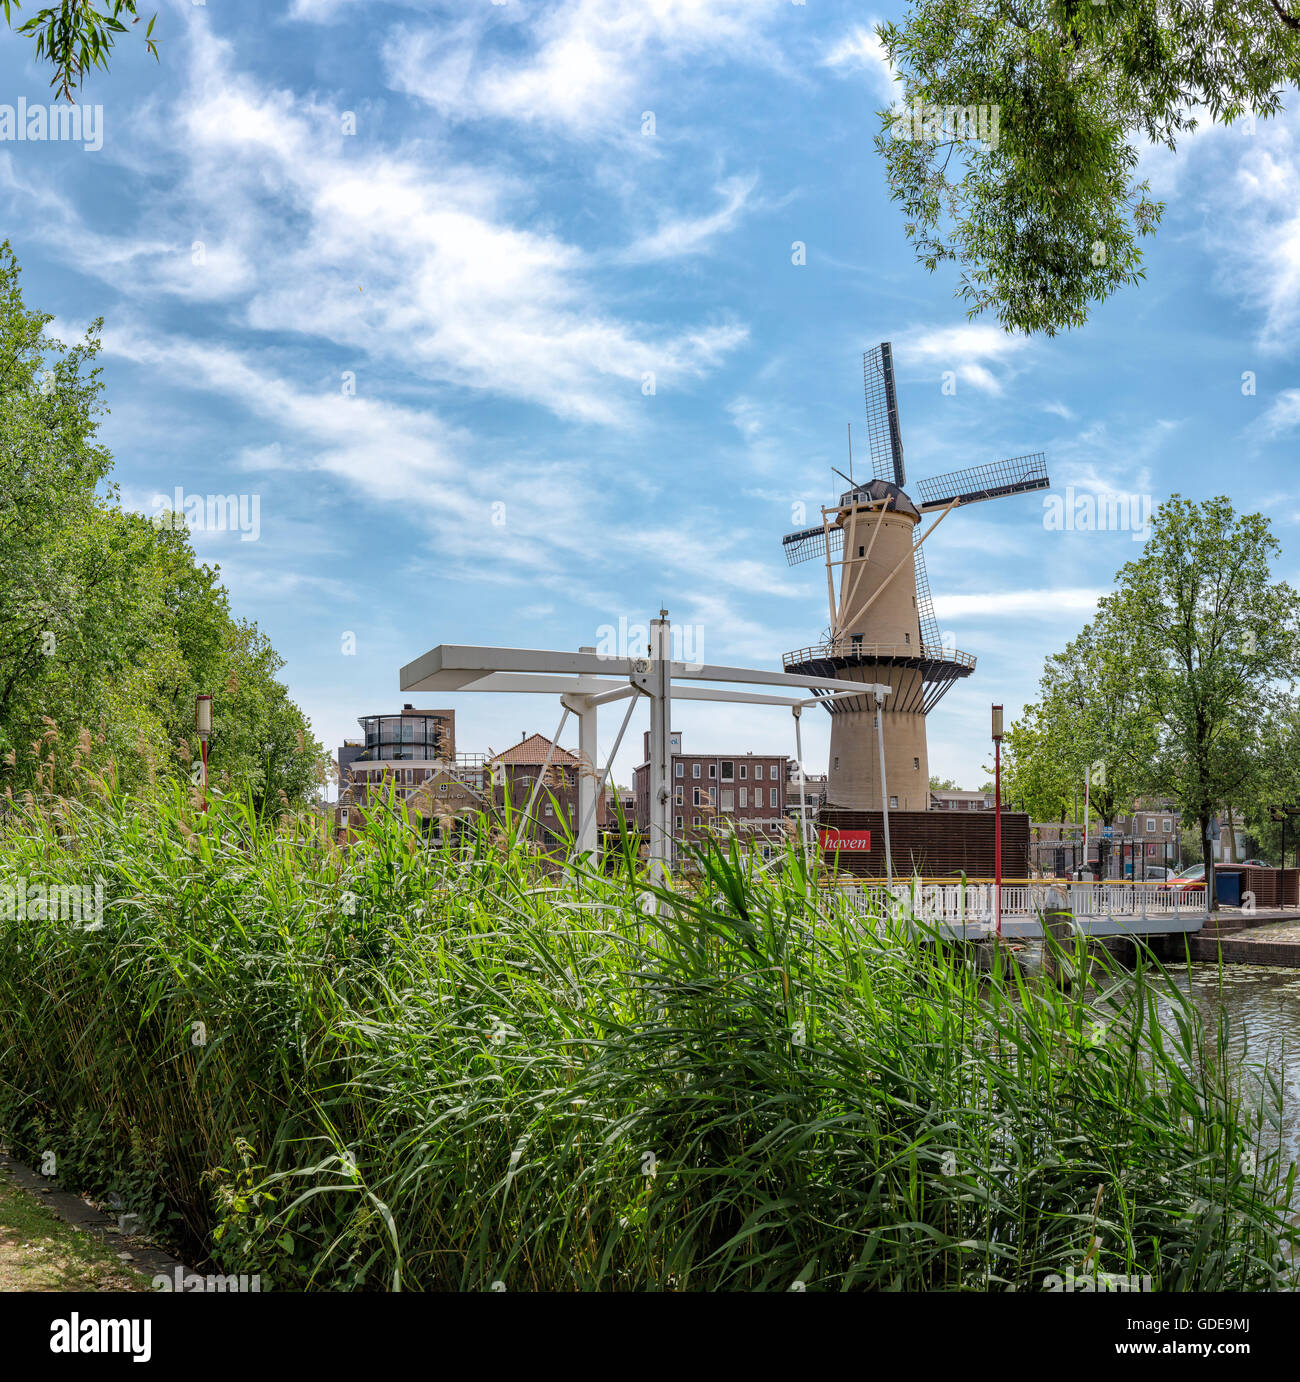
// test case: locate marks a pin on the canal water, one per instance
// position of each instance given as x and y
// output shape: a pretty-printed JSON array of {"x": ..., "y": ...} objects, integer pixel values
[{"x": 1261, "y": 1005}]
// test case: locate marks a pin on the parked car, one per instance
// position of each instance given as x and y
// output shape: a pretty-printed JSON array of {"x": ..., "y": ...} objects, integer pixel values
[
  {"x": 1157, "y": 873},
  {"x": 1188, "y": 880},
  {"x": 1255, "y": 864}
]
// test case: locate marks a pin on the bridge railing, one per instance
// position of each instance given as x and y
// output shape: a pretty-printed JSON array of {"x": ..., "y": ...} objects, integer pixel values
[{"x": 956, "y": 900}]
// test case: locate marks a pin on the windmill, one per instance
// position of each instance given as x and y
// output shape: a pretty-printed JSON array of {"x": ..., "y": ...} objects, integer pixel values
[{"x": 882, "y": 622}]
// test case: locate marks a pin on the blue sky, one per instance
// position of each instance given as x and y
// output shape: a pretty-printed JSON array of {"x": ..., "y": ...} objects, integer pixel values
[{"x": 422, "y": 346}]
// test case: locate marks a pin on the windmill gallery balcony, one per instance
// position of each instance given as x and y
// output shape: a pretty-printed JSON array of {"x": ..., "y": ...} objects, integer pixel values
[{"x": 939, "y": 667}]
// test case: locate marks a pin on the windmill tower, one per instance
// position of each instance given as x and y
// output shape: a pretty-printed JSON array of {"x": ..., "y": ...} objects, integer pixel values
[{"x": 882, "y": 623}]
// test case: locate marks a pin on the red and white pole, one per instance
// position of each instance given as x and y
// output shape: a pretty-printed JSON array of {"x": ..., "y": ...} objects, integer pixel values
[{"x": 997, "y": 819}]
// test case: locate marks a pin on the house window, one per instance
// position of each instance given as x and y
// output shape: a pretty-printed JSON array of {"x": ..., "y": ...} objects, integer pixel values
[
  {"x": 677, "y": 796},
  {"x": 726, "y": 800},
  {"x": 862, "y": 551},
  {"x": 549, "y": 810},
  {"x": 677, "y": 822},
  {"x": 744, "y": 794},
  {"x": 695, "y": 770},
  {"x": 744, "y": 770},
  {"x": 772, "y": 796},
  {"x": 893, "y": 803},
  {"x": 916, "y": 763},
  {"x": 695, "y": 821},
  {"x": 907, "y": 638},
  {"x": 1168, "y": 827},
  {"x": 837, "y": 765},
  {"x": 713, "y": 796},
  {"x": 1151, "y": 825},
  {"x": 713, "y": 770},
  {"x": 856, "y": 640},
  {"x": 695, "y": 796},
  {"x": 442, "y": 786},
  {"x": 677, "y": 770},
  {"x": 728, "y": 771}
]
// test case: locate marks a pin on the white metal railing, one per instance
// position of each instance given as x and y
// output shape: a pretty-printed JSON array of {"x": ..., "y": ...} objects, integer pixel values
[{"x": 960, "y": 902}]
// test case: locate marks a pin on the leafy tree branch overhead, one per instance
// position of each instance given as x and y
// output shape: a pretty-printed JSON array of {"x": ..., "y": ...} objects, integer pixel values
[
  {"x": 1043, "y": 215},
  {"x": 75, "y": 37}
]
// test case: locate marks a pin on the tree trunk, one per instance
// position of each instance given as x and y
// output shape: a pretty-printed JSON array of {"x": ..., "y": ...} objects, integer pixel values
[{"x": 1207, "y": 858}]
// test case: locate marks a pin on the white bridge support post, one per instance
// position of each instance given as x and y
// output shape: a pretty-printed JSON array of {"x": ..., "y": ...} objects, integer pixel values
[
  {"x": 590, "y": 779},
  {"x": 797, "y": 711},
  {"x": 884, "y": 786},
  {"x": 658, "y": 684}
]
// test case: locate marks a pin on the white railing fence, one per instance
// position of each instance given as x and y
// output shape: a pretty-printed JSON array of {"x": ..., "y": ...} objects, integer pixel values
[{"x": 972, "y": 901}]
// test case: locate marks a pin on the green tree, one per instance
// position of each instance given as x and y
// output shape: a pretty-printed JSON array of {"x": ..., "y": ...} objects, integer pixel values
[
  {"x": 1089, "y": 725},
  {"x": 1212, "y": 648},
  {"x": 1043, "y": 214},
  {"x": 108, "y": 625},
  {"x": 1035, "y": 778},
  {"x": 73, "y": 36},
  {"x": 1277, "y": 784}
]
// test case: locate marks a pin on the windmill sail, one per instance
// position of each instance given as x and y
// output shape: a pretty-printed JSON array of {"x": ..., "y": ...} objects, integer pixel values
[
  {"x": 1019, "y": 475},
  {"x": 883, "y": 433},
  {"x": 808, "y": 543},
  {"x": 931, "y": 638}
]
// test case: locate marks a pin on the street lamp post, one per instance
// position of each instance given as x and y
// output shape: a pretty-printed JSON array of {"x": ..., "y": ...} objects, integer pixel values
[
  {"x": 203, "y": 723},
  {"x": 997, "y": 819}
]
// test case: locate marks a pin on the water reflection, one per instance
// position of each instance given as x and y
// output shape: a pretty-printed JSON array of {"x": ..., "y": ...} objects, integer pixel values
[{"x": 1262, "y": 1007}]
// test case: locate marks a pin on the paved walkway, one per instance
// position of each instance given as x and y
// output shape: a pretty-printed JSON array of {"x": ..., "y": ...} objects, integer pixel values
[{"x": 41, "y": 1252}]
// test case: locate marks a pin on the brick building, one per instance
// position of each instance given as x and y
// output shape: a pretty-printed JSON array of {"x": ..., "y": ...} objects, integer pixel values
[
  {"x": 948, "y": 799},
  {"x": 719, "y": 794},
  {"x": 514, "y": 773}
]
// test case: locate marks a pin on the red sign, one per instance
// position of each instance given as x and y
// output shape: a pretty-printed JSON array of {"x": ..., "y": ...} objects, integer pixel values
[{"x": 831, "y": 840}]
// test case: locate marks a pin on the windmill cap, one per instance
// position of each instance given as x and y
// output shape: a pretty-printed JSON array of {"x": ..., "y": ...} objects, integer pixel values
[{"x": 881, "y": 489}]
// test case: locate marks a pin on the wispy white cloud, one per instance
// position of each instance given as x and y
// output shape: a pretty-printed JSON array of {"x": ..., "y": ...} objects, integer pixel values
[
  {"x": 1049, "y": 603},
  {"x": 966, "y": 351},
  {"x": 416, "y": 263},
  {"x": 1242, "y": 185},
  {"x": 682, "y": 235},
  {"x": 1283, "y": 415},
  {"x": 578, "y": 67},
  {"x": 859, "y": 50}
]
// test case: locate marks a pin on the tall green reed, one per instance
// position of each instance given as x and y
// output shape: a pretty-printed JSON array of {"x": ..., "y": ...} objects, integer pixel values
[{"x": 452, "y": 1066}]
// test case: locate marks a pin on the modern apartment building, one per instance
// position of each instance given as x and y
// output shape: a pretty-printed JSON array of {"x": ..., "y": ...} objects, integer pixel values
[
  {"x": 405, "y": 752},
  {"x": 740, "y": 794},
  {"x": 407, "y": 748}
]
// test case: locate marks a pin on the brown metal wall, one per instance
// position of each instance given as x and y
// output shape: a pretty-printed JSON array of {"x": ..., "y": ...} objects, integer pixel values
[{"x": 935, "y": 844}]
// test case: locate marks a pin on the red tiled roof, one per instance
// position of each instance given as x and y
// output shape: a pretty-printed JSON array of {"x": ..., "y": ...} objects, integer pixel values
[{"x": 532, "y": 750}]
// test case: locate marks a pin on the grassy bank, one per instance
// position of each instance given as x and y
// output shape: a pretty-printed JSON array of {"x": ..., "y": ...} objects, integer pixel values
[{"x": 403, "y": 1066}]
